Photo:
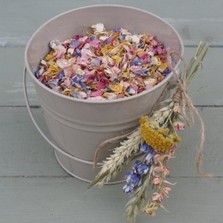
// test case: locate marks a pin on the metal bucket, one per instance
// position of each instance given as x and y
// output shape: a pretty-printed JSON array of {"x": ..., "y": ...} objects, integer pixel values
[{"x": 78, "y": 126}]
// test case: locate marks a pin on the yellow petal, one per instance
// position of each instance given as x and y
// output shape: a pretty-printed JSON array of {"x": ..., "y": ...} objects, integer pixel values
[
  {"x": 48, "y": 57},
  {"x": 117, "y": 59},
  {"x": 117, "y": 88},
  {"x": 162, "y": 67}
]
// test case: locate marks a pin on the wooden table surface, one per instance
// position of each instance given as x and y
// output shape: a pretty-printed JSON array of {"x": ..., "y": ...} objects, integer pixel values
[{"x": 34, "y": 188}]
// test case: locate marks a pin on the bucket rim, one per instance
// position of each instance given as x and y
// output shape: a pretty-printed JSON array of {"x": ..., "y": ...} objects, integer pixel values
[{"x": 110, "y": 101}]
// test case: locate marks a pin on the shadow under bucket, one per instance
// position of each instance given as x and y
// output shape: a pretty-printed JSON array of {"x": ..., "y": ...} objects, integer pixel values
[{"x": 79, "y": 126}]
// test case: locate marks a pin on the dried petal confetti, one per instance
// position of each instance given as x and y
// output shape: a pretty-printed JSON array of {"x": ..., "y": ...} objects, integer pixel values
[{"x": 104, "y": 65}]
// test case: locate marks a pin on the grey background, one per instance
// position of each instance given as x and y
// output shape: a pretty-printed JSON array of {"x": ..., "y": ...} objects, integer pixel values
[{"x": 34, "y": 188}]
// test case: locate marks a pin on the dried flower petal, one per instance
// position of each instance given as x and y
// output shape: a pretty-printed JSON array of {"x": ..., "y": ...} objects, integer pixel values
[
  {"x": 99, "y": 27},
  {"x": 179, "y": 126},
  {"x": 115, "y": 64}
]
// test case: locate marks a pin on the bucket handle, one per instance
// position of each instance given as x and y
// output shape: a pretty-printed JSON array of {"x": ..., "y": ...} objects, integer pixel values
[{"x": 39, "y": 129}]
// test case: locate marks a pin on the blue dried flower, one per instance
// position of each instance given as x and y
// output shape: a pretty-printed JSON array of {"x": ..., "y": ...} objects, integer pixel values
[
  {"x": 74, "y": 44},
  {"x": 149, "y": 157},
  {"x": 131, "y": 91},
  {"x": 128, "y": 188},
  {"x": 145, "y": 148},
  {"x": 137, "y": 62},
  {"x": 53, "y": 82},
  {"x": 121, "y": 37},
  {"x": 149, "y": 152},
  {"x": 141, "y": 168},
  {"x": 39, "y": 72},
  {"x": 141, "y": 44},
  {"x": 93, "y": 38},
  {"x": 116, "y": 29},
  {"x": 133, "y": 178},
  {"x": 61, "y": 76},
  {"x": 78, "y": 80},
  {"x": 166, "y": 72},
  {"x": 142, "y": 73},
  {"x": 75, "y": 94},
  {"x": 78, "y": 52},
  {"x": 108, "y": 40}
]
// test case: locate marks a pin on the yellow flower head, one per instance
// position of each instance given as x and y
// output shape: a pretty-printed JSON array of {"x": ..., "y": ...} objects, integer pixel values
[{"x": 158, "y": 139}]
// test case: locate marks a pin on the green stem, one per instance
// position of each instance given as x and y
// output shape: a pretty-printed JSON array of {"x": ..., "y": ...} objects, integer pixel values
[{"x": 196, "y": 61}]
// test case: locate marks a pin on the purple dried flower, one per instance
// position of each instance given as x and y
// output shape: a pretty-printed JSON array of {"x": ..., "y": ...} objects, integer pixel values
[
  {"x": 145, "y": 148},
  {"x": 149, "y": 157},
  {"x": 141, "y": 168},
  {"x": 166, "y": 72},
  {"x": 53, "y": 82},
  {"x": 37, "y": 73},
  {"x": 133, "y": 178},
  {"x": 141, "y": 44},
  {"x": 78, "y": 80},
  {"x": 121, "y": 37},
  {"x": 74, "y": 44},
  {"x": 78, "y": 52},
  {"x": 128, "y": 188},
  {"x": 131, "y": 91},
  {"x": 109, "y": 40},
  {"x": 148, "y": 151},
  {"x": 61, "y": 75},
  {"x": 142, "y": 73},
  {"x": 117, "y": 29},
  {"x": 93, "y": 38},
  {"x": 137, "y": 62}
]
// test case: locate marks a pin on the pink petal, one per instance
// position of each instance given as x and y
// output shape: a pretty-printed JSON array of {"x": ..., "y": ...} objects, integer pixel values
[
  {"x": 157, "y": 197},
  {"x": 100, "y": 85},
  {"x": 158, "y": 169},
  {"x": 96, "y": 93},
  {"x": 135, "y": 87},
  {"x": 157, "y": 181},
  {"x": 135, "y": 68}
]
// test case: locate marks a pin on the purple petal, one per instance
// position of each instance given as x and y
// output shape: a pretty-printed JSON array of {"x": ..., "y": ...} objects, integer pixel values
[
  {"x": 74, "y": 44},
  {"x": 141, "y": 168},
  {"x": 145, "y": 148},
  {"x": 128, "y": 188}
]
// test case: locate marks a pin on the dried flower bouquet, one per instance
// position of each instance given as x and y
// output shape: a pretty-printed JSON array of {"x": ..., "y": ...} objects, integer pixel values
[{"x": 152, "y": 144}]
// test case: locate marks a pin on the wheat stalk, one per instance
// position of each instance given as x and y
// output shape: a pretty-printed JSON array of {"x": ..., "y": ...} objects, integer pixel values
[{"x": 121, "y": 156}]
